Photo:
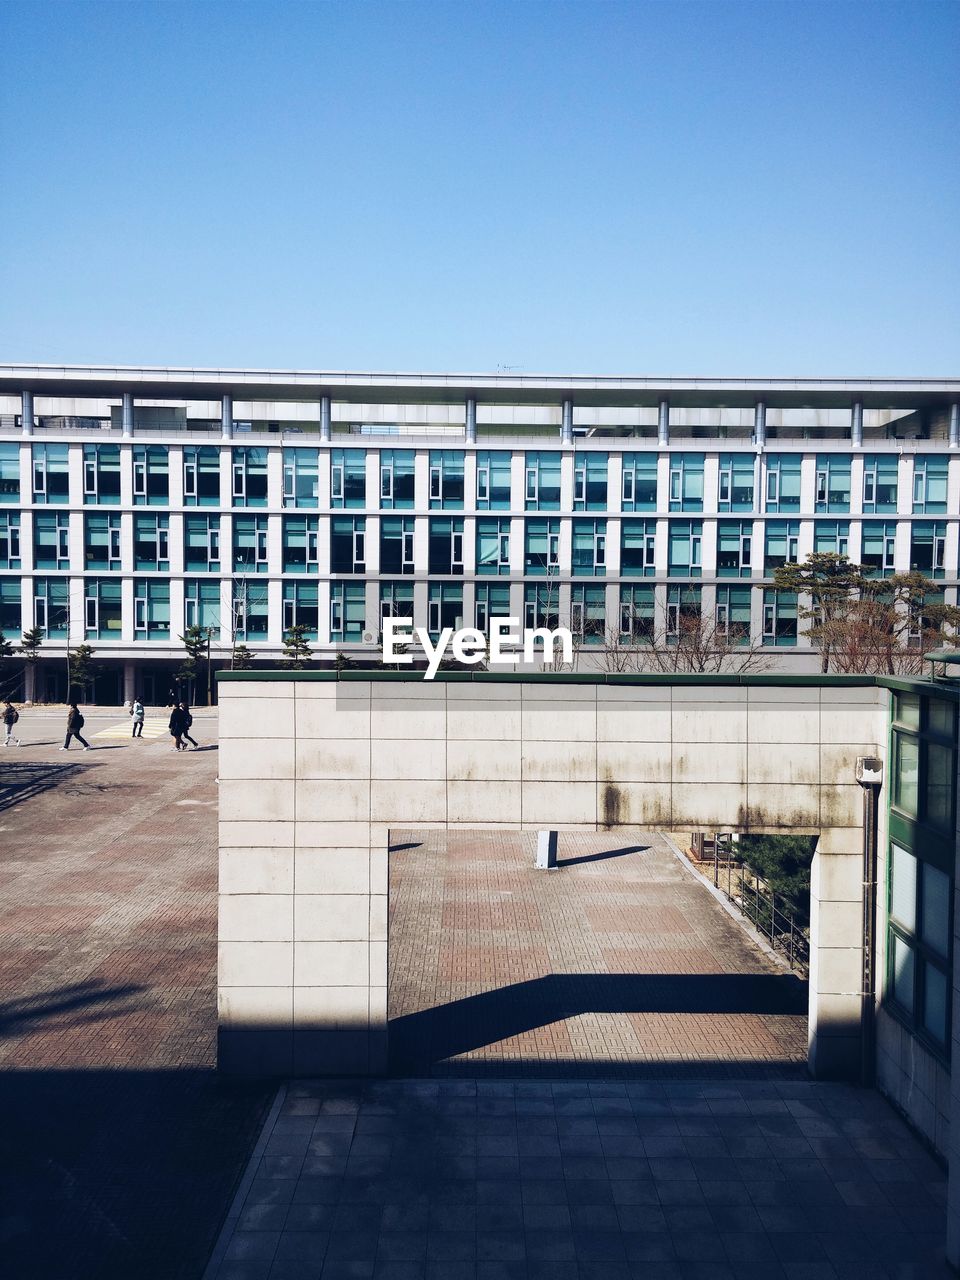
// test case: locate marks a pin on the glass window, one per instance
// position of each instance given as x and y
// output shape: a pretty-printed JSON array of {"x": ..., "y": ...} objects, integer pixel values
[
  {"x": 202, "y": 605},
  {"x": 101, "y": 474},
  {"x": 880, "y": 483},
  {"x": 444, "y": 607},
  {"x": 686, "y": 481},
  {"x": 684, "y": 549},
  {"x": 590, "y": 482},
  {"x": 637, "y": 613},
  {"x": 935, "y": 910},
  {"x": 638, "y": 548},
  {"x": 151, "y": 475},
  {"x": 445, "y": 540},
  {"x": 151, "y": 542},
  {"x": 542, "y": 547},
  {"x": 396, "y": 600},
  {"x": 927, "y": 548},
  {"x": 906, "y": 771},
  {"x": 10, "y": 472},
  {"x": 301, "y": 469},
  {"x": 782, "y": 544},
  {"x": 935, "y": 997},
  {"x": 733, "y": 614},
  {"x": 201, "y": 543},
  {"x": 11, "y": 616},
  {"x": 590, "y": 548},
  {"x": 301, "y": 607},
  {"x": 832, "y": 482},
  {"x": 493, "y": 546},
  {"x": 102, "y": 606},
  {"x": 541, "y": 605},
  {"x": 51, "y": 480},
  {"x": 734, "y": 548},
  {"x": 151, "y": 609},
  {"x": 249, "y": 472},
  {"x": 941, "y": 771},
  {"x": 51, "y": 540},
  {"x": 491, "y": 602},
  {"x": 904, "y": 975},
  {"x": 779, "y": 618},
  {"x": 683, "y": 611},
  {"x": 879, "y": 548},
  {"x": 493, "y": 480},
  {"x": 783, "y": 482},
  {"x": 396, "y": 544},
  {"x": 588, "y": 614},
  {"x": 9, "y": 540},
  {"x": 941, "y": 718},
  {"x": 250, "y": 544},
  {"x": 250, "y": 610},
  {"x": 542, "y": 482},
  {"x": 639, "y": 485},
  {"x": 903, "y": 888},
  {"x": 348, "y": 478},
  {"x": 396, "y": 479},
  {"x": 201, "y": 475},
  {"x": 348, "y": 544},
  {"x": 446, "y": 480},
  {"x": 832, "y": 536},
  {"x": 51, "y": 604},
  {"x": 735, "y": 485},
  {"x": 101, "y": 542},
  {"x": 906, "y": 707},
  {"x": 301, "y": 544},
  {"x": 347, "y": 611},
  {"x": 930, "y": 486}
]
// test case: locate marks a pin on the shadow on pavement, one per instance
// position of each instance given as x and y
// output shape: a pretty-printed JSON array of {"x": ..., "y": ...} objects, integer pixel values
[
  {"x": 603, "y": 855},
  {"x": 22, "y": 780},
  {"x": 119, "y": 1175},
  {"x": 99, "y": 1003},
  {"x": 419, "y": 1040}
]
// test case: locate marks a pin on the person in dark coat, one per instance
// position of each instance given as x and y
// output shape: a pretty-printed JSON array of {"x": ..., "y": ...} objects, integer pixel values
[
  {"x": 74, "y": 725},
  {"x": 187, "y": 725},
  {"x": 177, "y": 725}
]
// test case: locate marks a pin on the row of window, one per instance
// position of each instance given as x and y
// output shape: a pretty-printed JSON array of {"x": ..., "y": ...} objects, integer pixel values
[
  {"x": 736, "y": 482},
  {"x": 445, "y": 604},
  {"x": 103, "y": 544},
  {"x": 920, "y": 866}
]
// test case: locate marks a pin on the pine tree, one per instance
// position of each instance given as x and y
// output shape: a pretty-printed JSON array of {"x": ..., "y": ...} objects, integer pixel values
[
  {"x": 296, "y": 652},
  {"x": 81, "y": 670},
  {"x": 242, "y": 658},
  {"x": 194, "y": 640}
]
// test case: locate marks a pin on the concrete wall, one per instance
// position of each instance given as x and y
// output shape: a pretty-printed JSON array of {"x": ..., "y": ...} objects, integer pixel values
[{"x": 314, "y": 772}]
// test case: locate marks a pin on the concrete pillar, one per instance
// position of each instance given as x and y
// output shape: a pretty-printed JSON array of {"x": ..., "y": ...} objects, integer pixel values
[
  {"x": 663, "y": 424},
  {"x": 836, "y": 955},
  {"x": 856, "y": 424},
  {"x": 226, "y": 418},
  {"x": 470, "y": 429},
  {"x": 760, "y": 424},
  {"x": 566, "y": 430},
  {"x": 129, "y": 681},
  {"x": 126, "y": 415},
  {"x": 324, "y": 417},
  {"x": 26, "y": 412},
  {"x": 955, "y": 426}
]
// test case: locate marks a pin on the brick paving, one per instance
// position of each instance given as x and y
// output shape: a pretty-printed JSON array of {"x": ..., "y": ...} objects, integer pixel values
[
  {"x": 592, "y": 1180},
  {"x": 119, "y": 1147},
  {"x": 619, "y": 963}
]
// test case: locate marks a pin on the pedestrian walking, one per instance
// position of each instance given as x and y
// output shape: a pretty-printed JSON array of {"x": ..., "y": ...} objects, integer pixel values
[
  {"x": 74, "y": 725},
  {"x": 177, "y": 726},
  {"x": 10, "y": 717},
  {"x": 187, "y": 725},
  {"x": 137, "y": 712}
]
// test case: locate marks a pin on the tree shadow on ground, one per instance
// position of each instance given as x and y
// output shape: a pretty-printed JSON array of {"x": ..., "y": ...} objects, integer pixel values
[
  {"x": 96, "y": 1002},
  {"x": 21, "y": 780}
]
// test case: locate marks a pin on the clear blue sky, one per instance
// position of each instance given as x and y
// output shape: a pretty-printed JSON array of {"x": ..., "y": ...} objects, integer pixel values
[{"x": 648, "y": 188}]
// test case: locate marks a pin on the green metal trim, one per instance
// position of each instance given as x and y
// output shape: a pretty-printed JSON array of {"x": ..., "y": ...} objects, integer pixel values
[{"x": 767, "y": 680}]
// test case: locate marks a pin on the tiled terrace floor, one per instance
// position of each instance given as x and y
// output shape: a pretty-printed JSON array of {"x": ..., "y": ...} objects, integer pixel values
[
  {"x": 591, "y": 1180},
  {"x": 619, "y": 963}
]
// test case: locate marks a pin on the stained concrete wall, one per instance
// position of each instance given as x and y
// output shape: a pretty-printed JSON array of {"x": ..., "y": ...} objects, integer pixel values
[{"x": 314, "y": 772}]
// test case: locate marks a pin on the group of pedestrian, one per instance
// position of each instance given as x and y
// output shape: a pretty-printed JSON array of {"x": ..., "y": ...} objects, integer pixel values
[{"x": 181, "y": 722}]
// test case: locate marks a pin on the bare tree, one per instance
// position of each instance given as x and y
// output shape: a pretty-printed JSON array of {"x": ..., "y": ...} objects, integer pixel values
[
  {"x": 888, "y": 625},
  {"x": 702, "y": 646}
]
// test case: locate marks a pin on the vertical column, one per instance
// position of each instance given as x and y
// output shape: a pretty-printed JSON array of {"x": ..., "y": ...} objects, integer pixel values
[
  {"x": 126, "y": 415},
  {"x": 566, "y": 430},
  {"x": 955, "y": 426},
  {"x": 663, "y": 423},
  {"x": 470, "y": 428},
  {"x": 836, "y": 955},
  {"x": 26, "y": 412},
  {"x": 953, "y": 1154},
  {"x": 226, "y": 417},
  {"x": 856, "y": 424},
  {"x": 325, "y": 418},
  {"x": 760, "y": 424}
]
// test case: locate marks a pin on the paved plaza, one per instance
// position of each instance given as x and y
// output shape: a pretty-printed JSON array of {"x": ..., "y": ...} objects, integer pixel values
[
  {"x": 596, "y": 1072},
  {"x": 618, "y": 963}
]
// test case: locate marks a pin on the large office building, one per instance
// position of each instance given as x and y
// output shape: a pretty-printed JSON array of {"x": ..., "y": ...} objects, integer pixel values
[{"x": 138, "y": 502}]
